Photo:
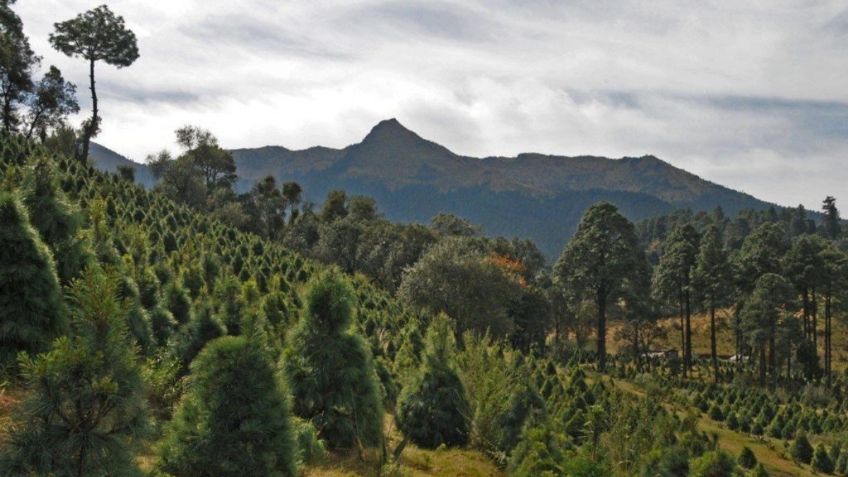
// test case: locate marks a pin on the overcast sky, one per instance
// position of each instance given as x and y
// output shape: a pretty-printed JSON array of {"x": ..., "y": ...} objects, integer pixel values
[{"x": 749, "y": 94}]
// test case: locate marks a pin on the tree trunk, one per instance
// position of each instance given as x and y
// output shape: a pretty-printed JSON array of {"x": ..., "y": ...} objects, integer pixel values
[
  {"x": 827, "y": 333},
  {"x": 713, "y": 352},
  {"x": 680, "y": 307},
  {"x": 93, "y": 125},
  {"x": 602, "y": 328},
  {"x": 687, "y": 357},
  {"x": 762, "y": 365},
  {"x": 806, "y": 312},
  {"x": 814, "y": 324},
  {"x": 773, "y": 353}
]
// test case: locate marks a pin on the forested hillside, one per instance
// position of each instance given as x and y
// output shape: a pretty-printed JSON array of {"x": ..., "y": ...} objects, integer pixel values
[{"x": 533, "y": 196}]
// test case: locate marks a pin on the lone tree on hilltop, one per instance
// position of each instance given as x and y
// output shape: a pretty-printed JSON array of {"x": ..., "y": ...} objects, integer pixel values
[{"x": 96, "y": 35}]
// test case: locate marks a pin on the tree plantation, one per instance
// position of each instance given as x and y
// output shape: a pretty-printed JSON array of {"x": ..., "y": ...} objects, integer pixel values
[{"x": 190, "y": 329}]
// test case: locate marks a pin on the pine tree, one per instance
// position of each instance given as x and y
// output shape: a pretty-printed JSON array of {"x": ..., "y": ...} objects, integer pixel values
[
  {"x": 746, "y": 458},
  {"x": 56, "y": 221},
  {"x": 234, "y": 420},
  {"x": 821, "y": 460},
  {"x": 713, "y": 280},
  {"x": 331, "y": 370},
  {"x": 673, "y": 281},
  {"x": 432, "y": 409},
  {"x": 831, "y": 221},
  {"x": 31, "y": 308},
  {"x": 597, "y": 263},
  {"x": 85, "y": 405},
  {"x": 801, "y": 449}
]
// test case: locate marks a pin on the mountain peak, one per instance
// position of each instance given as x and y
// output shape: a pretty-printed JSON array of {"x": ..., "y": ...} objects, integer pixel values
[{"x": 392, "y": 130}]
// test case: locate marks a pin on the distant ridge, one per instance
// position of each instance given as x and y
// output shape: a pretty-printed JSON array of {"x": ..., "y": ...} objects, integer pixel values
[{"x": 535, "y": 196}]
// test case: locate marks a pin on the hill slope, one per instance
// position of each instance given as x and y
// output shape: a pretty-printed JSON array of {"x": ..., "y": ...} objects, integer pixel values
[{"x": 532, "y": 195}]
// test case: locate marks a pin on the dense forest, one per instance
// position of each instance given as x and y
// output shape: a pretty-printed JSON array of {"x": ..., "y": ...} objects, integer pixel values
[{"x": 190, "y": 330}]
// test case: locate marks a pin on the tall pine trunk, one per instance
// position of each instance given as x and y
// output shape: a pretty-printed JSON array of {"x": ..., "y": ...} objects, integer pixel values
[
  {"x": 92, "y": 127},
  {"x": 602, "y": 328},
  {"x": 713, "y": 346}
]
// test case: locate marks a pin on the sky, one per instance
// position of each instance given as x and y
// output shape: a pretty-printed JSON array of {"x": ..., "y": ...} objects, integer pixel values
[{"x": 750, "y": 94}]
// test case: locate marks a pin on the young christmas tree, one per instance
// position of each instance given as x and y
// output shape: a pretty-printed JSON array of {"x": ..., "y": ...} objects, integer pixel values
[
  {"x": 432, "y": 409},
  {"x": 234, "y": 419},
  {"x": 331, "y": 370},
  {"x": 85, "y": 409},
  {"x": 31, "y": 309}
]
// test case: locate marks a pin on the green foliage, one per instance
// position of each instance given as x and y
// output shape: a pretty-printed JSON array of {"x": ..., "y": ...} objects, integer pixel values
[
  {"x": 432, "y": 408},
  {"x": 234, "y": 420},
  {"x": 746, "y": 458},
  {"x": 598, "y": 263},
  {"x": 84, "y": 410},
  {"x": 713, "y": 464},
  {"x": 31, "y": 310},
  {"x": 454, "y": 277},
  {"x": 801, "y": 450},
  {"x": 821, "y": 460},
  {"x": 330, "y": 368}
]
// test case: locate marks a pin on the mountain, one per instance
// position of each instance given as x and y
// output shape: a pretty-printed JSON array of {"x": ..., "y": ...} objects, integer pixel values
[
  {"x": 536, "y": 196},
  {"x": 108, "y": 160}
]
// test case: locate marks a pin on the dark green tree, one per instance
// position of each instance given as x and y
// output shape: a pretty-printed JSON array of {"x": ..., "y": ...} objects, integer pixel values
[
  {"x": 432, "y": 408},
  {"x": 456, "y": 278},
  {"x": 830, "y": 222},
  {"x": 85, "y": 407},
  {"x": 833, "y": 281},
  {"x": 821, "y": 460},
  {"x": 330, "y": 368},
  {"x": 56, "y": 220},
  {"x": 747, "y": 459},
  {"x": 267, "y": 206},
  {"x": 763, "y": 315},
  {"x": 17, "y": 61},
  {"x": 801, "y": 450},
  {"x": 51, "y": 101},
  {"x": 803, "y": 266},
  {"x": 597, "y": 262},
  {"x": 713, "y": 282},
  {"x": 234, "y": 419},
  {"x": 335, "y": 206},
  {"x": 673, "y": 281},
  {"x": 96, "y": 35},
  {"x": 31, "y": 309},
  {"x": 213, "y": 163}
]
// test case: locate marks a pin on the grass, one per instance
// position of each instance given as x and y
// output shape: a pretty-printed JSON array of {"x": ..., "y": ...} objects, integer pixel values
[{"x": 414, "y": 462}]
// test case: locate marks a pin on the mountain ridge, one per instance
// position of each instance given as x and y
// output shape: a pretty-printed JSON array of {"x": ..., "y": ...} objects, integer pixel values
[{"x": 531, "y": 195}]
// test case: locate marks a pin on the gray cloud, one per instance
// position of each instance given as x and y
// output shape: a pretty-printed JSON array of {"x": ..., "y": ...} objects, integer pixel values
[{"x": 744, "y": 94}]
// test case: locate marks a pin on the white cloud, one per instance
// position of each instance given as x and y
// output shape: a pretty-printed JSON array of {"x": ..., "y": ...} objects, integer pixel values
[{"x": 748, "y": 94}]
